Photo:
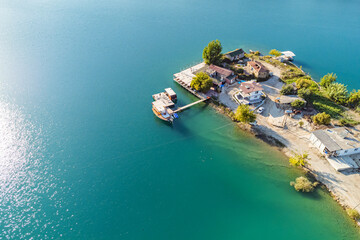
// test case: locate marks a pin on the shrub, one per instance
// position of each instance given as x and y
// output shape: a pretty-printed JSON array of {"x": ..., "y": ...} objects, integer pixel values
[
  {"x": 337, "y": 92},
  {"x": 304, "y": 93},
  {"x": 287, "y": 90},
  {"x": 244, "y": 114},
  {"x": 328, "y": 79},
  {"x": 354, "y": 99},
  {"x": 298, "y": 104},
  {"x": 353, "y": 213},
  {"x": 212, "y": 52},
  {"x": 303, "y": 184},
  {"x": 201, "y": 82},
  {"x": 301, "y": 124},
  {"x": 299, "y": 160},
  {"x": 275, "y": 53},
  {"x": 322, "y": 119},
  {"x": 303, "y": 83}
]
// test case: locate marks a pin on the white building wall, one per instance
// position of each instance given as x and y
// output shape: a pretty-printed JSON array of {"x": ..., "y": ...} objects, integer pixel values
[{"x": 348, "y": 151}]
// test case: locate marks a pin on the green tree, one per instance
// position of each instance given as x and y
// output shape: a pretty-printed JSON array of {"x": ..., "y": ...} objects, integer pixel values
[
  {"x": 328, "y": 79},
  {"x": 304, "y": 83},
  {"x": 354, "y": 99},
  {"x": 337, "y": 92},
  {"x": 301, "y": 124},
  {"x": 322, "y": 119},
  {"x": 299, "y": 160},
  {"x": 275, "y": 53},
  {"x": 303, "y": 184},
  {"x": 304, "y": 93},
  {"x": 298, "y": 104},
  {"x": 201, "y": 82},
  {"x": 287, "y": 89},
  {"x": 212, "y": 52},
  {"x": 244, "y": 114}
]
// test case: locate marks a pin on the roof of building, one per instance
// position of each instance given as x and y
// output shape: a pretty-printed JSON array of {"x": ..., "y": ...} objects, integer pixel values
[
  {"x": 288, "y": 54},
  {"x": 235, "y": 52},
  {"x": 223, "y": 71},
  {"x": 259, "y": 67},
  {"x": 170, "y": 91},
  {"x": 337, "y": 139},
  {"x": 288, "y": 99},
  {"x": 250, "y": 86}
]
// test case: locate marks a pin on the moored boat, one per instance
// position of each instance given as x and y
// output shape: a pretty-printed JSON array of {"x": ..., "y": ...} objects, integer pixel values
[{"x": 162, "y": 112}]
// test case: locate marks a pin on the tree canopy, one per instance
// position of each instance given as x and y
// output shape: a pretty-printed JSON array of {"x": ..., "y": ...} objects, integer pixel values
[
  {"x": 201, "y": 82},
  {"x": 275, "y": 53},
  {"x": 287, "y": 89},
  {"x": 303, "y": 184},
  {"x": 328, "y": 79},
  {"x": 322, "y": 119},
  {"x": 299, "y": 160},
  {"x": 244, "y": 114},
  {"x": 337, "y": 92},
  {"x": 354, "y": 99},
  {"x": 212, "y": 52},
  {"x": 298, "y": 104}
]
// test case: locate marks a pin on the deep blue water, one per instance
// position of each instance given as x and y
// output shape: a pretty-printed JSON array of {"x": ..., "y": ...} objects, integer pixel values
[{"x": 83, "y": 157}]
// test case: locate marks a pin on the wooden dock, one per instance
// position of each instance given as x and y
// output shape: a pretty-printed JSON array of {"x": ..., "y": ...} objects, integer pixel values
[{"x": 190, "y": 105}]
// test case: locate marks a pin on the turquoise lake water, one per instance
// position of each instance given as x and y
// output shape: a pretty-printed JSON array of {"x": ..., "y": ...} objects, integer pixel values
[{"x": 82, "y": 155}]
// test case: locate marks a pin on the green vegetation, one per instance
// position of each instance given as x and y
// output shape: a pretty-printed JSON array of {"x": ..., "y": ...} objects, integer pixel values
[
  {"x": 337, "y": 92},
  {"x": 303, "y": 184},
  {"x": 304, "y": 93},
  {"x": 287, "y": 89},
  {"x": 298, "y": 104},
  {"x": 275, "y": 53},
  {"x": 291, "y": 72},
  {"x": 201, "y": 82},
  {"x": 301, "y": 124},
  {"x": 328, "y": 79},
  {"x": 348, "y": 122},
  {"x": 306, "y": 83},
  {"x": 354, "y": 99},
  {"x": 353, "y": 213},
  {"x": 322, "y": 119},
  {"x": 299, "y": 160},
  {"x": 244, "y": 114},
  {"x": 212, "y": 52}
]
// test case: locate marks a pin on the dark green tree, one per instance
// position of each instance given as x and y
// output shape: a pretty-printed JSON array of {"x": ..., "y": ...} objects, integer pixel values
[{"x": 212, "y": 52}]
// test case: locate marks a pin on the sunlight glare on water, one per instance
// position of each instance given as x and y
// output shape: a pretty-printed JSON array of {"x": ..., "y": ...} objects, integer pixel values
[{"x": 24, "y": 189}]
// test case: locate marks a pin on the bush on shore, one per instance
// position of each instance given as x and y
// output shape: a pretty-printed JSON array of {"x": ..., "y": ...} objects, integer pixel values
[
  {"x": 275, "y": 53},
  {"x": 299, "y": 160},
  {"x": 337, "y": 92},
  {"x": 322, "y": 119},
  {"x": 353, "y": 213},
  {"x": 328, "y": 79},
  {"x": 244, "y": 114},
  {"x": 303, "y": 184}
]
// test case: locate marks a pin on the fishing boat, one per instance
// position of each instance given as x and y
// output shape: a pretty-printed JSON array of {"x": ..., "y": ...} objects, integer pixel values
[{"x": 162, "y": 112}]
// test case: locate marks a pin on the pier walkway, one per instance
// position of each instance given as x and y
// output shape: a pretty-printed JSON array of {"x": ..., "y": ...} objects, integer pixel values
[{"x": 190, "y": 105}]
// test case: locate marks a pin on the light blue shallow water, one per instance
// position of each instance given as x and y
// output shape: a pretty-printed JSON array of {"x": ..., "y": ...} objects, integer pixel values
[{"x": 83, "y": 157}]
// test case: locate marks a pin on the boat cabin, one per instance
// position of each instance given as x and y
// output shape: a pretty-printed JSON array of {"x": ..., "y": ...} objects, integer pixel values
[{"x": 171, "y": 94}]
